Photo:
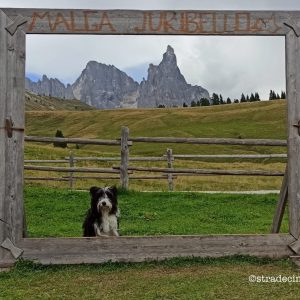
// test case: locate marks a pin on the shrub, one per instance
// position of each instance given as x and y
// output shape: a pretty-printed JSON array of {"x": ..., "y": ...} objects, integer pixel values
[{"x": 59, "y": 134}]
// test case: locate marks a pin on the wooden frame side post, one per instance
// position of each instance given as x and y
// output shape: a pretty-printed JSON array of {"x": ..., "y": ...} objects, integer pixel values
[
  {"x": 293, "y": 102},
  {"x": 12, "y": 121},
  {"x": 5, "y": 256}
]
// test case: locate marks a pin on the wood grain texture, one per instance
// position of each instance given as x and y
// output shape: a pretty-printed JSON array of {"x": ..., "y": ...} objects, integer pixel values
[
  {"x": 12, "y": 90},
  {"x": 4, "y": 216},
  {"x": 145, "y": 158},
  {"x": 231, "y": 156},
  {"x": 71, "y": 140},
  {"x": 170, "y": 165},
  {"x": 293, "y": 100},
  {"x": 205, "y": 171},
  {"x": 49, "y": 161},
  {"x": 281, "y": 204},
  {"x": 137, "y": 249},
  {"x": 15, "y": 110},
  {"x": 74, "y": 169},
  {"x": 295, "y": 246},
  {"x": 15, "y": 251},
  {"x": 124, "y": 178},
  {"x": 210, "y": 141},
  {"x": 154, "y": 22},
  {"x": 46, "y": 179},
  {"x": 71, "y": 164}
]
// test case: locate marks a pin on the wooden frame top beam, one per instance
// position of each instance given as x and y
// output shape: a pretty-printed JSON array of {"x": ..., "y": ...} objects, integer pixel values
[{"x": 156, "y": 22}]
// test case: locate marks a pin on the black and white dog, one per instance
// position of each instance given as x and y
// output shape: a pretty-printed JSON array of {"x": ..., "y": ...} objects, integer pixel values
[{"x": 102, "y": 218}]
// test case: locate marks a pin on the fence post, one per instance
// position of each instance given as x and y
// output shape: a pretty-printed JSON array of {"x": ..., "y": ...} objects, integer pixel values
[
  {"x": 170, "y": 165},
  {"x": 124, "y": 179},
  {"x": 71, "y": 162}
]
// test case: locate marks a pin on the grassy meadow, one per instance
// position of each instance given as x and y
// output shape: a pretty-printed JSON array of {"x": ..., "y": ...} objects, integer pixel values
[
  {"x": 60, "y": 213},
  {"x": 184, "y": 279},
  {"x": 47, "y": 210},
  {"x": 39, "y": 103},
  {"x": 266, "y": 119}
]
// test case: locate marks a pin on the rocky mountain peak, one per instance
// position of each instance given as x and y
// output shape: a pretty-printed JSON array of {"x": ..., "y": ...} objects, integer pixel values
[
  {"x": 169, "y": 57},
  {"x": 165, "y": 85},
  {"x": 103, "y": 86}
]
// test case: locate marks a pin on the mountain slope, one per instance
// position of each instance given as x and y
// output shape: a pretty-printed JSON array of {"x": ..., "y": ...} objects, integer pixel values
[
  {"x": 265, "y": 119},
  {"x": 35, "y": 102}
]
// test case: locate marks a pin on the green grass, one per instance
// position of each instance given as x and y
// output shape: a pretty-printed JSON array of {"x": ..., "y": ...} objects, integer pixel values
[
  {"x": 197, "y": 278},
  {"x": 57, "y": 212},
  {"x": 266, "y": 119},
  {"x": 38, "y": 103}
]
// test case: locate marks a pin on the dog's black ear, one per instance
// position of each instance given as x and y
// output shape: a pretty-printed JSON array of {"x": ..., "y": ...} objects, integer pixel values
[
  {"x": 113, "y": 190},
  {"x": 93, "y": 190}
]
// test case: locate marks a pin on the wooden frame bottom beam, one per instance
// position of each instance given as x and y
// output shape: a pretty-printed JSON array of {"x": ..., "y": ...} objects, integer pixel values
[{"x": 138, "y": 249}]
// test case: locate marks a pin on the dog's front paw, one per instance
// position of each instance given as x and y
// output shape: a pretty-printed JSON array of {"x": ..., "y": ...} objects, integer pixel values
[{"x": 115, "y": 233}]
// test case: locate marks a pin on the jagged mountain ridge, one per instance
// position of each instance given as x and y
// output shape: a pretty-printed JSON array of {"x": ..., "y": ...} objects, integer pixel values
[
  {"x": 165, "y": 85},
  {"x": 105, "y": 86},
  {"x": 49, "y": 87}
]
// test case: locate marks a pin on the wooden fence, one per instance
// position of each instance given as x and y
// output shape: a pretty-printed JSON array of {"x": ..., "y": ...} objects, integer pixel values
[{"x": 125, "y": 172}]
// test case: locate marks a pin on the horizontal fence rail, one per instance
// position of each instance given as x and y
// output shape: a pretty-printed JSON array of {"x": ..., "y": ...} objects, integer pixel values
[
  {"x": 148, "y": 158},
  {"x": 67, "y": 178},
  {"x": 255, "y": 156},
  {"x": 63, "y": 169},
  {"x": 73, "y": 141},
  {"x": 205, "y": 171},
  {"x": 48, "y": 161},
  {"x": 46, "y": 178},
  {"x": 210, "y": 141}
]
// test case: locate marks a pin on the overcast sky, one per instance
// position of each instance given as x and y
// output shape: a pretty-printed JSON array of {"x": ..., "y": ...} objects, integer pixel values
[{"x": 226, "y": 65}]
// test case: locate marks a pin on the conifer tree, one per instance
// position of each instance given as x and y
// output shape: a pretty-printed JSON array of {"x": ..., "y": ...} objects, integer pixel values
[
  {"x": 215, "y": 99},
  {"x": 221, "y": 100},
  {"x": 243, "y": 98},
  {"x": 204, "y": 102},
  {"x": 59, "y": 134}
]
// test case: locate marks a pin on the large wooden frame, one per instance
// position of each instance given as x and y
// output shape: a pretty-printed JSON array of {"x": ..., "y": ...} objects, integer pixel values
[{"x": 15, "y": 23}]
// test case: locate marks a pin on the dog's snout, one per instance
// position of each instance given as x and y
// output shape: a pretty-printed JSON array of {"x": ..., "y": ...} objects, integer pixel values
[{"x": 104, "y": 203}]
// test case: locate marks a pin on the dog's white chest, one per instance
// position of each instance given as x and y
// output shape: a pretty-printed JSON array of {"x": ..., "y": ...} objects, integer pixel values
[{"x": 109, "y": 223}]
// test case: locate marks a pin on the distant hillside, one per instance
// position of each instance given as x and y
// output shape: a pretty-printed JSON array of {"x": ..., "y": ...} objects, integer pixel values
[
  {"x": 265, "y": 119},
  {"x": 42, "y": 103}
]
